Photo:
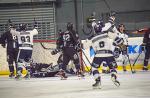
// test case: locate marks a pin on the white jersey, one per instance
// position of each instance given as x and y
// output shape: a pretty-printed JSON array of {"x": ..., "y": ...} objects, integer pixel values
[
  {"x": 125, "y": 38},
  {"x": 102, "y": 43},
  {"x": 25, "y": 38}
]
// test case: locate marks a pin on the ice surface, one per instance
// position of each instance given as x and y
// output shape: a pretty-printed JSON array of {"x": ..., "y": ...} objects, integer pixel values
[{"x": 132, "y": 86}]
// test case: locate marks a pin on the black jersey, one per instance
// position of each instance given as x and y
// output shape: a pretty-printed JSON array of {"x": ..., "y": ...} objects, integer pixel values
[
  {"x": 10, "y": 39},
  {"x": 147, "y": 37},
  {"x": 69, "y": 39}
]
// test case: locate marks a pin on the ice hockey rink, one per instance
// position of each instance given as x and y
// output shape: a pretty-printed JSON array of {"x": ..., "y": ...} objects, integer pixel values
[{"x": 132, "y": 86}]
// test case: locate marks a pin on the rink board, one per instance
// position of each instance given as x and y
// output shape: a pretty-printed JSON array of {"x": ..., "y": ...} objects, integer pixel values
[{"x": 134, "y": 49}]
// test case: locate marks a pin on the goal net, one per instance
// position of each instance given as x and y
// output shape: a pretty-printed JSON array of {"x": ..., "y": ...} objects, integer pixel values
[{"x": 42, "y": 54}]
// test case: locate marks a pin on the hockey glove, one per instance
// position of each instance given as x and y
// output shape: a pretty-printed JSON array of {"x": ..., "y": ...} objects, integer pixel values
[
  {"x": 143, "y": 46},
  {"x": 123, "y": 47},
  {"x": 78, "y": 47},
  {"x": 118, "y": 42},
  {"x": 54, "y": 51},
  {"x": 3, "y": 45}
]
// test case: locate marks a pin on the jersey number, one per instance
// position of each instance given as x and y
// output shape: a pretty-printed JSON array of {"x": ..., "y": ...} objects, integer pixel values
[
  {"x": 66, "y": 37},
  {"x": 25, "y": 39},
  {"x": 101, "y": 44}
]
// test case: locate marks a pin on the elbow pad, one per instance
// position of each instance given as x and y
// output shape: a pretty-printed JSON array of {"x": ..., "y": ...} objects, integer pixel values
[{"x": 118, "y": 41}]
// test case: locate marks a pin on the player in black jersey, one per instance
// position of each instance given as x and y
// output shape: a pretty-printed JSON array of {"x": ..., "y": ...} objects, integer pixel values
[
  {"x": 146, "y": 44},
  {"x": 70, "y": 45},
  {"x": 12, "y": 50}
]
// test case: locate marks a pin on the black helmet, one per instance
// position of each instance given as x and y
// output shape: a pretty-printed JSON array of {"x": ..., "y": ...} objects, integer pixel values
[
  {"x": 69, "y": 26},
  {"x": 12, "y": 26},
  {"x": 22, "y": 26},
  {"x": 120, "y": 25}
]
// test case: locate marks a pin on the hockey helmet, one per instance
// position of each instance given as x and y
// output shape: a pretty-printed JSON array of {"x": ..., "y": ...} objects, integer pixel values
[
  {"x": 69, "y": 26},
  {"x": 121, "y": 25},
  {"x": 112, "y": 13},
  {"x": 22, "y": 26}
]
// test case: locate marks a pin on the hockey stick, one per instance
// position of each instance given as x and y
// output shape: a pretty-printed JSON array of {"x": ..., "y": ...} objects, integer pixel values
[
  {"x": 86, "y": 58},
  {"x": 136, "y": 59},
  {"x": 133, "y": 71},
  {"x": 89, "y": 29},
  {"x": 88, "y": 32},
  {"x": 87, "y": 67},
  {"x": 46, "y": 47},
  {"x": 138, "y": 56}
]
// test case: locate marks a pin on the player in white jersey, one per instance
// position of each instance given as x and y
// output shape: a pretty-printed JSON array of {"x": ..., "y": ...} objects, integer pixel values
[
  {"x": 102, "y": 46},
  {"x": 25, "y": 41},
  {"x": 124, "y": 36}
]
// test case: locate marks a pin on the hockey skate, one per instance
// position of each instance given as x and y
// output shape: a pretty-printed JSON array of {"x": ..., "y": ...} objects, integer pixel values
[
  {"x": 27, "y": 76},
  {"x": 115, "y": 81},
  {"x": 12, "y": 75},
  {"x": 97, "y": 84},
  {"x": 62, "y": 74},
  {"x": 124, "y": 68},
  {"x": 145, "y": 68},
  {"x": 80, "y": 74},
  {"x": 105, "y": 71},
  {"x": 18, "y": 77}
]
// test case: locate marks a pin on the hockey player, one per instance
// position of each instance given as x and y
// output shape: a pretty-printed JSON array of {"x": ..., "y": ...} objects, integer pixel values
[
  {"x": 103, "y": 48},
  {"x": 70, "y": 44},
  {"x": 60, "y": 58},
  {"x": 146, "y": 44},
  {"x": 25, "y": 41},
  {"x": 97, "y": 28},
  {"x": 12, "y": 49},
  {"x": 58, "y": 49},
  {"x": 123, "y": 49}
]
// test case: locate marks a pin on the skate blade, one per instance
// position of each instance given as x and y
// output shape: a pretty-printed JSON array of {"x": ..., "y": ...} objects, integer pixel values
[
  {"x": 18, "y": 79},
  {"x": 27, "y": 78},
  {"x": 117, "y": 83},
  {"x": 80, "y": 78},
  {"x": 98, "y": 87},
  {"x": 63, "y": 78},
  {"x": 12, "y": 77}
]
